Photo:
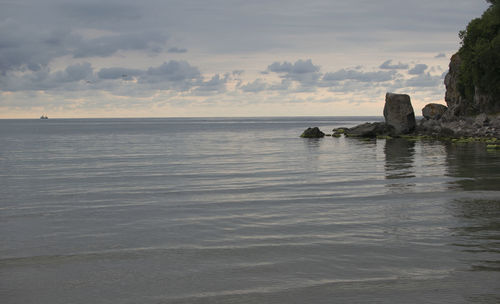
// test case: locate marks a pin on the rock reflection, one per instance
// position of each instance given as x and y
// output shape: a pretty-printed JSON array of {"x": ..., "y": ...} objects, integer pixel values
[
  {"x": 475, "y": 166},
  {"x": 399, "y": 158}
]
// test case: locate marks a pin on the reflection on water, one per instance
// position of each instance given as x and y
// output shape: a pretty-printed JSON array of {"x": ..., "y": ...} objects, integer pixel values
[
  {"x": 478, "y": 231},
  {"x": 399, "y": 158},
  {"x": 477, "y": 167}
]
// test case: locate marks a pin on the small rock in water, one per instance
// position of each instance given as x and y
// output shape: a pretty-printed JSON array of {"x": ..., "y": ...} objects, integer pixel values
[{"x": 312, "y": 133}]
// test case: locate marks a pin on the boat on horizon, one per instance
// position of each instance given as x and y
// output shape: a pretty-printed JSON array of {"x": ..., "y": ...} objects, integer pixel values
[{"x": 44, "y": 117}]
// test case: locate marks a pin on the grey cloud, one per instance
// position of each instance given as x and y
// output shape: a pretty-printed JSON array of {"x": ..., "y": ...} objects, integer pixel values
[
  {"x": 350, "y": 86},
  {"x": 108, "y": 45},
  {"x": 21, "y": 48},
  {"x": 258, "y": 85},
  {"x": 216, "y": 84},
  {"x": 119, "y": 73},
  {"x": 299, "y": 67},
  {"x": 172, "y": 71},
  {"x": 284, "y": 85},
  {"x": 177, "y": 50},
  {"x": 277, "y": 67},
  {"x": 99, "y": 13},
  {"x": 418, "y": 69},
  {"x": 303, "y": 71},
  {"x": 424, "y": 80},
  {"x": 440, "y": 55},
  {"x": 343, "y": 74},
  {"x": 44, "y": 79},
  {"x": 35, "y": 33},
  {"x": 25, "y": 47},
  {"x": 284, "y": 24},
  {"x": 171, "y": 75},
  {"x": 387, "y": 65},
  {"x": 74, "y": 73}
]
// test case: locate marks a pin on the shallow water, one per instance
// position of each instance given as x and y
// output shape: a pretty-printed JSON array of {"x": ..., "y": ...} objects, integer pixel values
[{"x": 242, "y": 211}]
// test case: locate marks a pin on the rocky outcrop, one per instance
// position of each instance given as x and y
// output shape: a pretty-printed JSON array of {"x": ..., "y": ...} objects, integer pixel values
[
  {"x": 370, "y": 130},
  {"x": 462, "y": 118},
  {"x": 312, "y": 133},
  {"x": 399, "y": 114},
  {"x": 458, "y": 106},
  {"x": 479, "y": 126},
  {"x": 434, "y": 111}
]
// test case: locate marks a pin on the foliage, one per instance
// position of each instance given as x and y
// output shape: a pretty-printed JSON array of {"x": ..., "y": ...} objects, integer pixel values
[{"x": 480, "y": 54}]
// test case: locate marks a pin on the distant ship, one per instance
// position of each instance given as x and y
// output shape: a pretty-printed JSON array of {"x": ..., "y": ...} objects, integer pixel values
[{"x": 44, "y": 117}]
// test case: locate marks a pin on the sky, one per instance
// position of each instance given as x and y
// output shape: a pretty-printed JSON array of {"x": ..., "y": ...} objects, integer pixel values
[{"x": 224, "y": 58}]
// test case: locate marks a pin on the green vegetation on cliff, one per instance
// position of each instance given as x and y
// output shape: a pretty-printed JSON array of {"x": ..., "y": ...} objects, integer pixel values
[{"x": 480, "y": 54}]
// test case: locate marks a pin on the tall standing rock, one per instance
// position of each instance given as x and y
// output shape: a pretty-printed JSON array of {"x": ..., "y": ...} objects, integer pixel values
[{"x": 398, "y": 113}]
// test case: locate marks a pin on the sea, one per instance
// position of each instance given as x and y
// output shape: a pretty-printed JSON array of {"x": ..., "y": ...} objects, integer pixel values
[{"x": 243, "y": 210}]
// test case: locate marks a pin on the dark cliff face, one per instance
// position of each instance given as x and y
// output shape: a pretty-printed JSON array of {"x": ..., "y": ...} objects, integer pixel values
[{"x": 460, "y": 106}]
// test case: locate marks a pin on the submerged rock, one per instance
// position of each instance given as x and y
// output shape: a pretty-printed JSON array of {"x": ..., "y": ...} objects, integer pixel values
[
  {"x": 312, "y": 133},
  {"x": 434, "y": 111},
  {"x": 398, "y": 113}
]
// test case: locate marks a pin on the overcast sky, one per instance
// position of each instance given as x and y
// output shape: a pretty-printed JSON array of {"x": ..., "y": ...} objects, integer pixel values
[{"x": 149, "y": 58}]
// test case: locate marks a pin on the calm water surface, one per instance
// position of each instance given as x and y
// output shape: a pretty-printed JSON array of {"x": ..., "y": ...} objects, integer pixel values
[{"x": 242, "y": 211}]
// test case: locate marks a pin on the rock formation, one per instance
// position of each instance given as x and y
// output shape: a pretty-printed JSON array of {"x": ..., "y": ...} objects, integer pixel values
[
  {"x": 470, "y": 118},
  {"x": 370, "y": 130},
  {"x": 399, "y": 114},
  {"x": 458, "y": 106},
  {"x": 312, "y": 133},
  {"x": 434, "y": 111}
]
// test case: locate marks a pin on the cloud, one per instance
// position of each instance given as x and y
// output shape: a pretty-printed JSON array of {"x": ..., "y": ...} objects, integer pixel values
[
  {"x": 44, "y": 79},
  {"x": 22, "y": 47},
  {"x": 418, "y": 69},
  {"x": 177, "y": 50},
  {"x": 440, "y": 55},
  {"x": 74, "y": 73},
  {"x": 98, "y": 13},
  {"x": 343, "y": 74},
  {"x": 110, "y": 44},
  {"x": 303, "y": 71},
  {"x": 172, "y": 71},
  {"x": 216, "y": 84},
  {"x": 299, "y": 67},
  {"x": 119, "y": 73},
  {"x": 171, "y": 75},
  {"x": 424, "y": 80},
  {"x": 258, "y": 85},
  {"x": 387, "y": 65}
]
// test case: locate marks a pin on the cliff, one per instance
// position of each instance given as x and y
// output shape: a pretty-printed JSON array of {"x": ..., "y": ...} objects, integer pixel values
[
  {"x": 458, "y": 105},
  {"x": 473, "y": 81}
]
